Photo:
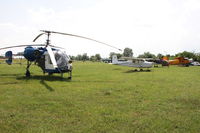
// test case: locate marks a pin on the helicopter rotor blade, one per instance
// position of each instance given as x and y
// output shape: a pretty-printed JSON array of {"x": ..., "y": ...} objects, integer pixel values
[
  {"x": 22, "y": 46},
  {"x": 56, "y": 46},
  {"x": 81, "y": 37},
  {"x": 38, "y": 36},
  {"x": 52, "y": 57}
]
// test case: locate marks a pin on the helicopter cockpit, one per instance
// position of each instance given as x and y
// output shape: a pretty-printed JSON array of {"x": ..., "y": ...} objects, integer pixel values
[{"x": 62, "y": 60}]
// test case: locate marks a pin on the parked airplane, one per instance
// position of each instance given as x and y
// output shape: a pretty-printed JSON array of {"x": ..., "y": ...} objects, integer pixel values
[
  {"x": 133, "y": 62},
  {"x": 181, "y": 61},
  {"x": 195, "y": 63}
]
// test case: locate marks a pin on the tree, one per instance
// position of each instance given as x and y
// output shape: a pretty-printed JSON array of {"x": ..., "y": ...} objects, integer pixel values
[
  {"x": 85, "y": 57},
  {"x": 186, "y": 54},
  {"x": 20, "y": 53},
  {"x": 98, "y": 57},
  {"x": 160, "y": 56},
  {"x": 79, "y": 57},
  {"x": 72, "y": 57},
  {"x": 147, "y": 55},
  {"x": 93, "y": 58},
  {"x": 128, "y": 52},
  {"x": 113, "y": 53},
  {"x": 197, "y": 55}
]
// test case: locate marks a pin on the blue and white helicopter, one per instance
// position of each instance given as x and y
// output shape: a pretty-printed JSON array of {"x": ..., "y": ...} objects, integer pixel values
[{"x": 48, "y": 57}]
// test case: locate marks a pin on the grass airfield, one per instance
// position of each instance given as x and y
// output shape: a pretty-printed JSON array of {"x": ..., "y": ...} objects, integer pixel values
[{"x": 101, "y": 98}]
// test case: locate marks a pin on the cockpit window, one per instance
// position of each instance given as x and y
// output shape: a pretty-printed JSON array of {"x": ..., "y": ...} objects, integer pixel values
[{"x": 61, "y": 59}]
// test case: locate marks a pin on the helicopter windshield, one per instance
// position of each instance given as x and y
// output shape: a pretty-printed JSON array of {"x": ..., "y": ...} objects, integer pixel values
[{"x": 62, "y": 60}]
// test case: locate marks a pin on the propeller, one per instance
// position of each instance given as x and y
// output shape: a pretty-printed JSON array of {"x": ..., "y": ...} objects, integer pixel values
[
  {"x": 52, "y": 57},
  {"x": 49, "y": 32}
]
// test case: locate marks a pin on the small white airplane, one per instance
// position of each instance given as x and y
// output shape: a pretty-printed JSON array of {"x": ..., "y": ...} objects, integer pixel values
[
  {"x": 195, "y": 63},
  {"x": 133, "y": 62}
]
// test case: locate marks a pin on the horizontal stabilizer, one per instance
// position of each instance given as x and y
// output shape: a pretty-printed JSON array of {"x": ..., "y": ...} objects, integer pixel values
[
  {"x": 114, "y": 59},
  {"x": 8, "y": 55}
]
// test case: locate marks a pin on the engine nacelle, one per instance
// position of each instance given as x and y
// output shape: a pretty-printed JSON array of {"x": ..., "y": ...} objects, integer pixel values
[{"x": 29, "y": 53}]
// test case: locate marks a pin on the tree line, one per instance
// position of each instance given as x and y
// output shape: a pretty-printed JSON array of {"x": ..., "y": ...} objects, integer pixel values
[
  {"x": 185, "y": 54},
  {"x": 85, "y": 57},
  {"x": 129, "y": 53}
]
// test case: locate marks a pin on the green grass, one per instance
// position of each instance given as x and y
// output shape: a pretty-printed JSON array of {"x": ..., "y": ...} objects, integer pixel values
[{"x": 101, "y": 98}]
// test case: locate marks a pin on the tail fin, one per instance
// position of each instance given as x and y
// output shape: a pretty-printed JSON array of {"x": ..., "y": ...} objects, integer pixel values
[
  {"x": 165, "y": 58},
  {"x": 8, "y": 55},
  {"x": 114, "y": 59}
]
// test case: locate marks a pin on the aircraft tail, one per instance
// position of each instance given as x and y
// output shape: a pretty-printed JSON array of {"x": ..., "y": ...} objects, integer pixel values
[
  {"x": 8, "y": 55},
  {"x": 114, "y": 59},
  {"x": 165, "y": 58}
]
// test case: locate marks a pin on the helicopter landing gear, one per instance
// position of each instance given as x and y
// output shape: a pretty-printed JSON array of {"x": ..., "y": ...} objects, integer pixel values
[
  {"x": 50, "y": 74},
  {"x": 70, "y": 75},
  {"x": 28, "y": 74}
]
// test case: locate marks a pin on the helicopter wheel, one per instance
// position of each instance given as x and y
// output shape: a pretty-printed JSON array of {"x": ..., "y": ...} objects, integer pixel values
[
  {"x": 70, "y": 75},
  {"x": 50, "y": 74}
]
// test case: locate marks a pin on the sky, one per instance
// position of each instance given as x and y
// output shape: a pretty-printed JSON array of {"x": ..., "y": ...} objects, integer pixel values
[{"x": 155, "y": 26}]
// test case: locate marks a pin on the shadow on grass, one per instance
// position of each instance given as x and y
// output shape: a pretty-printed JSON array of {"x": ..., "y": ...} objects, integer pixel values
[
  {"x": 10, "y": 75},
  {"x": 117, "y": 69},
  {"x": 46, "y": 85},
  {"x": 8, "y": 83},
  {"x": 134, "y": 71},
  {"x": 44, "y": 78}
]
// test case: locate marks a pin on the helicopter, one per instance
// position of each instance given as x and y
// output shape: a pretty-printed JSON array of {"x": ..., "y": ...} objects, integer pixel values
[
  {"x": 48, "y": 57},
  {"x": 133, "y": 62}
]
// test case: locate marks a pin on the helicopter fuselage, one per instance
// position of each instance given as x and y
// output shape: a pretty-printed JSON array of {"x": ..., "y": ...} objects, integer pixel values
[{"x": 41, "y": 57}]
